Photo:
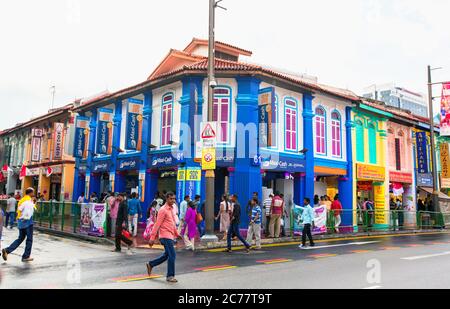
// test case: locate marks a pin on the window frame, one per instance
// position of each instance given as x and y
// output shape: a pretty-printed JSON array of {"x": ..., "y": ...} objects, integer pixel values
[
  {"x": 170, "y": 126},
  {"x": 291, "y": 109},
  {"x": 336, "y": 124},
  {"x": 228, "y": 96},
  {"x": 323, "y": 117}
]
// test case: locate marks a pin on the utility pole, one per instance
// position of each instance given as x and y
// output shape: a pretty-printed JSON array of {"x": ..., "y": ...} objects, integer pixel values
[
  {"x": 53, "y": 89},
  {"x": 436, "y": 189},
  {"x": 210, "y": 174}
]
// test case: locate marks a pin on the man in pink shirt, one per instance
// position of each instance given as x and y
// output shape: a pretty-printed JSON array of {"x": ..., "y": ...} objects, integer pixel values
[
  {"x": 276, "y": 211},
  {"x": 165, "y": 228}
]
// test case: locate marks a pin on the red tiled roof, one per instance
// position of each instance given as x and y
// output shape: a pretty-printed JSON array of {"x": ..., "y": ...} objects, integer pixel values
[{"x": 218, "y": 44}]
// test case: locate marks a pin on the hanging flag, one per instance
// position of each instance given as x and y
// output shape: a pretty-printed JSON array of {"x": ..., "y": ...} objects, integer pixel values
[
  {"x": 49, "y": 171},
  {"x": 23, "y": 172},
  {"x": 81, "y": 132},
  {"x": 445, "y": 110},
  {"x": 134, "y": 123},
  {"x": 104, "y": 134},
  {"x": 6, "y": 169}
]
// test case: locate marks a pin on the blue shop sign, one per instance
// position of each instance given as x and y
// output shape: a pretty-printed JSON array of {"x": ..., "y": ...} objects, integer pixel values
[
  {"x": 128, "y": 164},
  {"x": 166, "y": 160},
  {"x": 100, "y": 167},
  {"x": 224, "y": 159},
  {"x": 425, "y": 180},
  {"x": 280, "y": 163}
]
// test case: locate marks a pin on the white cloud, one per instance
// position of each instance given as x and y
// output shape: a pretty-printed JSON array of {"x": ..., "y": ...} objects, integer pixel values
[{"x": 86, "y": 46}]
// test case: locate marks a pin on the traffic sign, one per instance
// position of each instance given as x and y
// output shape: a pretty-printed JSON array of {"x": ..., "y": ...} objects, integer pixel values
[
  {"x": 209, "y": 135},
  {"x": 209, "y": 159}
]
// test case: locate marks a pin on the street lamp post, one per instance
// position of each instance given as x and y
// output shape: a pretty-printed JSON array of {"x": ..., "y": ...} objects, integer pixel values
[
  {"x": 209, "y": 174},
  {"x": 436, "y": 189}
]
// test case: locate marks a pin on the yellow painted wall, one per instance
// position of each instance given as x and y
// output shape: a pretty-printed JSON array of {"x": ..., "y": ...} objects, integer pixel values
[{"x": 67, "y": 181}]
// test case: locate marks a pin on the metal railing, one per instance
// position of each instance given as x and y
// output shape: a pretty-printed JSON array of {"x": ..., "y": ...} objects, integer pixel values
[
  {"x": 388, "y": 220},
  {"x": 61, "y": 216}
]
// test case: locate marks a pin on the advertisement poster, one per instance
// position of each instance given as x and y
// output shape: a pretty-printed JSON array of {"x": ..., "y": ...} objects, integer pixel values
[
  {"x": 445, "y": 165},
  {"x": 134, "y": 122},
  {"x": 104, "y": 133},
  {"x": 267, "y": 117},
  {"x": 98, "y": 220},
  {"x": 181, "y": 181},
  {"x": 81, "y": 130},
  {"x": 320, "y": 220},
  {"x": 445, "y": 110},
  {"x": 193, "y": 181},
  {"x": 85, "y": 224},
  {"x": 58, "y": 132}
]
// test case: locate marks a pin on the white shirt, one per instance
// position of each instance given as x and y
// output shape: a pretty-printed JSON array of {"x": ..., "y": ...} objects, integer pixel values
[
  {"x": 11, "y": 202},
  {"x": 183, "y": 209}
]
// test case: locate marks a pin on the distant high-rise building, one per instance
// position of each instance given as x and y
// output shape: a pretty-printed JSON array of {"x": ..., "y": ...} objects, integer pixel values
[{"x": 398, "y": 97}]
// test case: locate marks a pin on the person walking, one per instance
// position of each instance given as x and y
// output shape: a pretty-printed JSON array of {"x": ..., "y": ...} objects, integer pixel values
[
  {"x": 199, "y": 207},
  {"x": 234, "y": 225},
  {"x": 225, "y": 216},
  {"x": 255, "y": 224},
  {"x": 190, "y": 227},
  {"x": 276, "y": 211},
  {"x": 113, "y": 210},
  {"x": 336, "y": 207},
  {"x": 11, "y": 204},
  {"x": 25, "y": 214},
  {"x": 121, "y": 224},
  {"x": 307, "y": 219},
  {"x": 183, "y": 209},
  {"x": 267, "y": 204},
  {"x": 134, "y": 213},
  {"x": 167, "y": 232}
]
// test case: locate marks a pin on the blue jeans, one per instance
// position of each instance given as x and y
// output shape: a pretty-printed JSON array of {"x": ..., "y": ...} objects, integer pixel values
[
  {"x": 10, "y": 218},
  {"x": 23, "y": 233},
  {"x": 169, "y": 254},
  {"x": 234, "y": 228},
  {"x": 201, "y": 228}
]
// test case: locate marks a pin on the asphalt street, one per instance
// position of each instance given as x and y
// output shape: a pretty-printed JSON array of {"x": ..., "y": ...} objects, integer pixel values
[{"x": 407, "y": 261}]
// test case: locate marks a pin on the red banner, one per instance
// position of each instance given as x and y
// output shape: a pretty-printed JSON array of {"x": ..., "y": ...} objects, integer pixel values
[{"x": 445, "y": 110}]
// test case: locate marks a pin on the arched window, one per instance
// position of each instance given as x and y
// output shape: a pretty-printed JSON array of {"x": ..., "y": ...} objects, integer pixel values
[
  {"x": 360, "y": 141},
  {"x": 320, "y": 131},
  {"x": 290, "y": 107},
  {"x": 166, "y": 119},
  {"x": 221, "y": 112},
  {"x": 372, "y": 144},
  {"x": 336, "y": 134}
]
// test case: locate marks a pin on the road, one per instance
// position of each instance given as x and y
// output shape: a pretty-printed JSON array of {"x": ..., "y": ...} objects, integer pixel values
[{"x": 410, "y": 261}]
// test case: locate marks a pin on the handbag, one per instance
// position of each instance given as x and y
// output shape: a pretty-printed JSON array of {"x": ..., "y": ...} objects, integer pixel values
[
  {"x": 148, "y": 229},
  {"x": 199, "y": 218},
  {"x": 126, "y": 234}
]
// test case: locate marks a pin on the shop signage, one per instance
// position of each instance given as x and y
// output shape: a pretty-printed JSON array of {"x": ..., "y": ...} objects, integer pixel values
[
  {"x": 142, "y": 185},
  {"x": 365, "y": 186},
  {"x": 58, "y": 131},
  {"x": 166, "y": 160},
  {"x": 33, "y": 172},
  {"x": 381, "y": 215},
  {"x": 57, "y": 169},
  {"x": 100, "y": 167},
  {"x": 369, "y": 172},
  {"x": 400, "y": 177},
  {"x": 35, "y": 149},
  {"x": 128, "y": 164},
  {"x": 425, "y": 180},
  {"x": 193, "y": 181},
  {"x": 104, "y": 132},
  {"x": 134, "y": 123},
  {"x": 422, "y": 153},
  {"x": 445, "y": 110},
  {"x": 208, "y": 159},
  {"x": 280, "y": 163},
  {"x": 445, "y": 165},
  {"x": 181, "y": 178},
  {"x": 266, "y": 116},
  {"x": 81, "y": 131}
]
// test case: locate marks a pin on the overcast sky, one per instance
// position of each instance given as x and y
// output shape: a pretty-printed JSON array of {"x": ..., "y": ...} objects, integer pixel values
[{"x": 84, "y": 47}]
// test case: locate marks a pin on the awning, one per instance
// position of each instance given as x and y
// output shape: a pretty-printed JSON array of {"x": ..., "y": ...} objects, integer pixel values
[{"x": 442, "y": 196}]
